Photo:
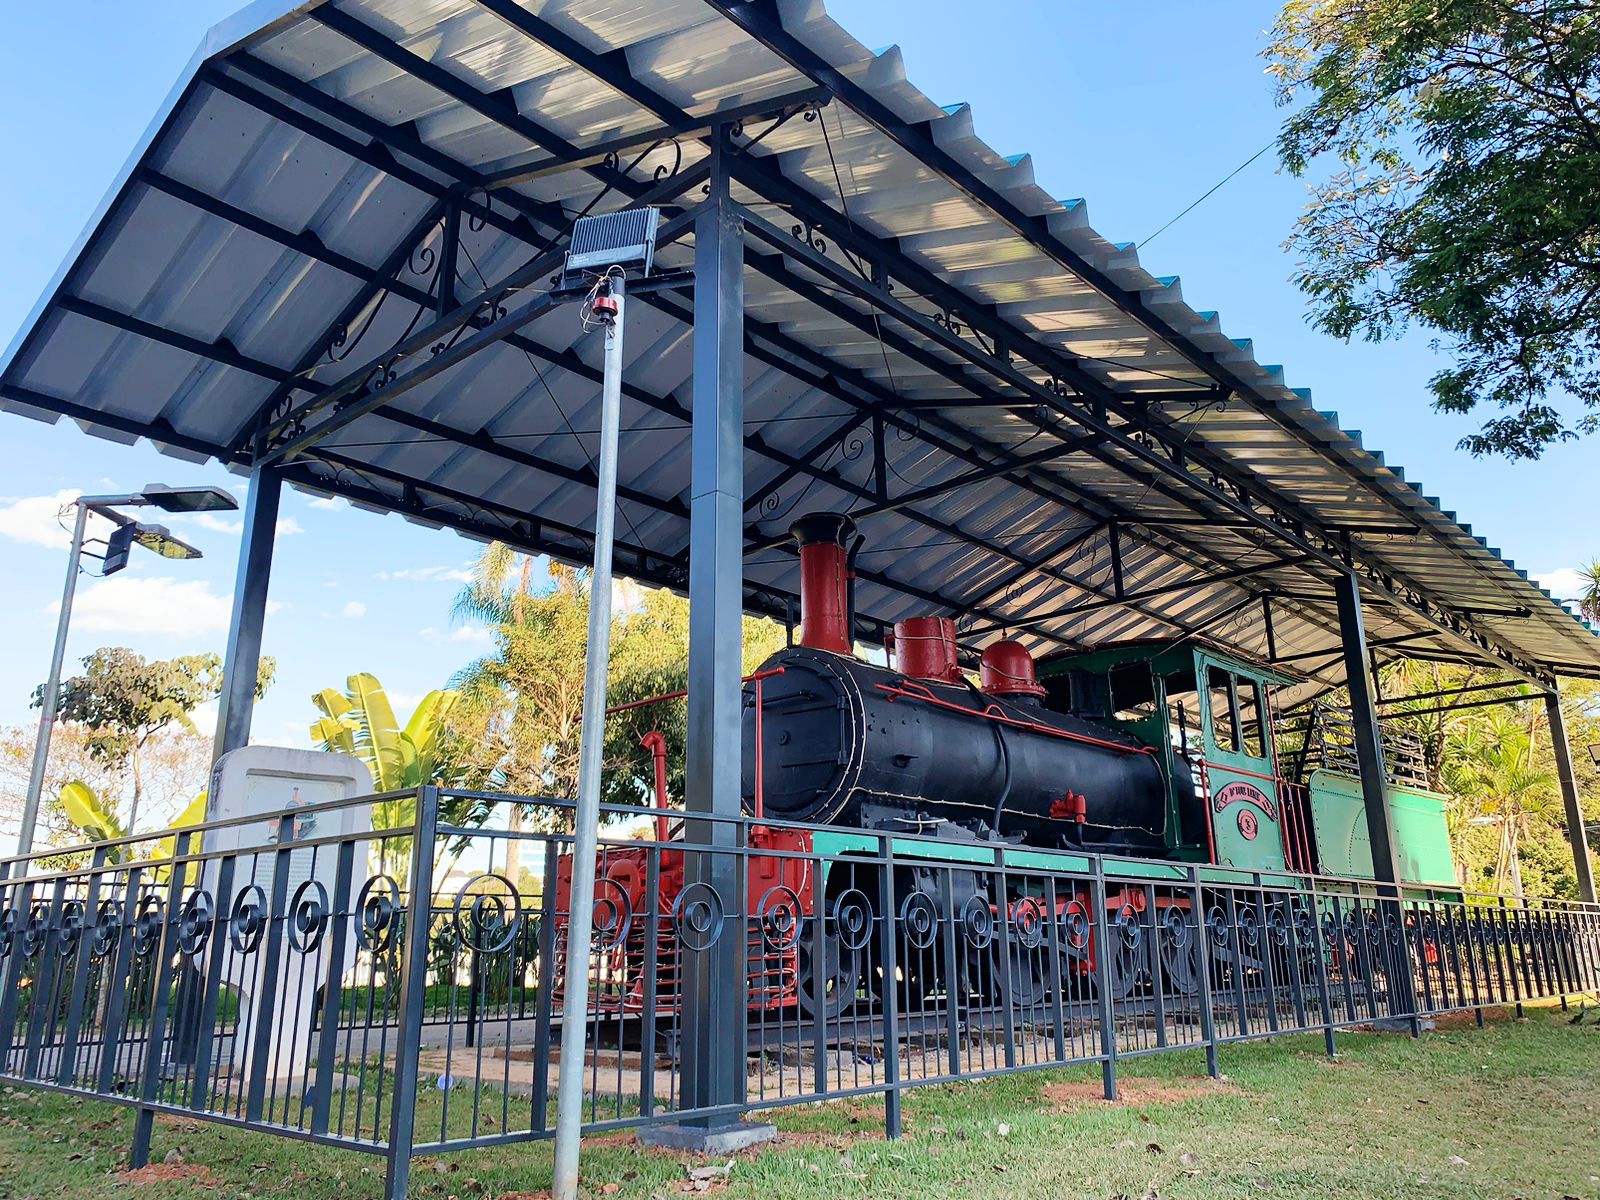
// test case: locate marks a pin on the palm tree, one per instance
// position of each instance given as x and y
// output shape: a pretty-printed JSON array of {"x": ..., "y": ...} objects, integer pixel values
[
  {"x": 1589, "y": 598},
  {"x": 1491, "y": 768}
]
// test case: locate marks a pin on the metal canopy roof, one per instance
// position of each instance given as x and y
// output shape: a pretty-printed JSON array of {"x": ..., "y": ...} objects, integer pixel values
[{"x": 1033, "y": 431}]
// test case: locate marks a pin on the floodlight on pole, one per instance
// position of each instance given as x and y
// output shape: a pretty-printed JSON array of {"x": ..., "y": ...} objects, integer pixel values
[
  {"x": 126, "y": 534},
  {"x": 602, "y": 251}
]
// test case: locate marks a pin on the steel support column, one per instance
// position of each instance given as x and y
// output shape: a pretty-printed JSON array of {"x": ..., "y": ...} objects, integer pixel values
[
  {"x": 1368, "y": 737},
  {"x": 1569, "y": 796},
  {"x": 1374, "y": 793},
  {"x": 243, "y": 658},
  {"x": 714, "y": 1035}
]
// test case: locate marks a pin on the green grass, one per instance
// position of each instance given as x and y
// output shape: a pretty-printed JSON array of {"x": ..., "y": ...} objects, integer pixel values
[{"x": 1515, "y": 1103}]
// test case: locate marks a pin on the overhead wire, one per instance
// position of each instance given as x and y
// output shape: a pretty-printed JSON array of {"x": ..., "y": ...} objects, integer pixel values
[
  {"x": 549, "y": 391},
  {"x": 1211, "y": 191}
]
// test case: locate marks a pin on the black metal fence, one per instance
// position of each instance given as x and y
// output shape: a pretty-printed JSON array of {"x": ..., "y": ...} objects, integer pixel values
[{"x": 268, "y": 973}]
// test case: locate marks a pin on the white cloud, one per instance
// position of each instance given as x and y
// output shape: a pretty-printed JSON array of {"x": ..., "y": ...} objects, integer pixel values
[
  {"x": 217, "y": 524},
  {"x": 288, "y": 527},
  {"x": 1564, "y": 583},
  {"x": 131, "y": 604},
  {"x": 354, "y": 609},
  {"x": 429, "y": 575},
  {"x": 37, "y": 520},
  {"x": 327, "y": 502},
  {"x": 403, "y": 703}
]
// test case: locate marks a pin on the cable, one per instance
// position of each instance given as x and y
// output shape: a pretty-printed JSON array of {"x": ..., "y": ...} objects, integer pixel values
[
  {"x": 1214, "y": 188},
  {"x": 538, "y": 374}
]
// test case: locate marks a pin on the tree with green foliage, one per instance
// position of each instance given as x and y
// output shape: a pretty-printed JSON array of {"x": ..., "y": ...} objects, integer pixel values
[
  {"x": 124, "y": 702},
  {"x": 522, "y": 704},
  {"x": 1461, "y": 143}
]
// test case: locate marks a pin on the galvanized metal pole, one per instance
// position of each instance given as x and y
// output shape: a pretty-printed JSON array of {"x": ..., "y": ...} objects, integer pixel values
[
  {"x": 1569, "y": 796},
  {"x": 715, "y": 997},
  {"x": 586, "y": 832},
  {"x": 52, "y": 687},
  {"x": 242, "y": 661}
]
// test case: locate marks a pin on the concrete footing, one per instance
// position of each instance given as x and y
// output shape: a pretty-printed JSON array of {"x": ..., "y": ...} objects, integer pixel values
[{"x": 713, "y": 1139}]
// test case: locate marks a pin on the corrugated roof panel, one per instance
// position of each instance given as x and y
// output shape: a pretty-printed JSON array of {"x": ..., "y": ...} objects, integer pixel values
[{"x": 242, "y": 278}]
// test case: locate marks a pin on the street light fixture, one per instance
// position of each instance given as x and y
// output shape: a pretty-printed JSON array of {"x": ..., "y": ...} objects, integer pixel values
[{"x": 126, "y": 534}]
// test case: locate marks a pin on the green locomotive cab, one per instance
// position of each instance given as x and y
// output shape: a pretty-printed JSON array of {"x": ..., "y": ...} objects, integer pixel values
[{"x": 1279, "y": 796}]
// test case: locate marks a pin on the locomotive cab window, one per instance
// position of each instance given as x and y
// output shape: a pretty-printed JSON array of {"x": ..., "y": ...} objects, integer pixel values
[
  {"x": 1133, "y": 692},
  {"x": 1224, "y": 710},
  {"x": 1250, "y": 712},
  {"x": 1183, "y": 710}
]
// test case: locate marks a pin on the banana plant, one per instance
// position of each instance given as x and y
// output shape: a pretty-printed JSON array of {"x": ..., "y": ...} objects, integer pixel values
[
  {"x": 360, "y": 721},
  {"x": 96, "y": 821}
]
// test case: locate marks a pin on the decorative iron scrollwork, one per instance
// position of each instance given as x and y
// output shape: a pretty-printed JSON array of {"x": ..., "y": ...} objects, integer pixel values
[
  {"x": 1217, "y": 923},
  {"x": 308, "y": 916},
  {"x": 148, "y": 919},
  {"x": 1129, "y": 927},
  {"x": 194, "y": 922},
  {"x": 806, "y": 232},
  {"x": 778, "y": 917},
  {"x": 487, "y": 920},
  {"x": 919, "y": 920},
  {"x": 377, "y": 910},
  {"x": 697, "y": 916},
  {"x": 613, "y": 914},
  {"x": 1175, "y": 928},
  {"x": 107, "y": 928},
  {"x": 73, "y": 918},
  {"x": 36, "y": 930},
  {"x": 977, "y": 922},
  {"x": 1029, "y": 922},
  {"x": 1075, "y": 926},
  {"x": 247, "y": 919}
]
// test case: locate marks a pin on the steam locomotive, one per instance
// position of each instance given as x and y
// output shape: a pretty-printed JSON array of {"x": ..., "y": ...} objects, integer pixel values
[{"x": 1150, "y": 752}]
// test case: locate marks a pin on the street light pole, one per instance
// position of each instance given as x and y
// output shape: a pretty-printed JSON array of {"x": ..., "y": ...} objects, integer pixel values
[
  {"x": 128, "y": 533},
  {"x": 52, "y": 686}
]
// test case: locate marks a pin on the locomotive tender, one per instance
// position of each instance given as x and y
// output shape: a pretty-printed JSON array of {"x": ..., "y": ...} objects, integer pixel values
[{"x": 1146, "y": 751}]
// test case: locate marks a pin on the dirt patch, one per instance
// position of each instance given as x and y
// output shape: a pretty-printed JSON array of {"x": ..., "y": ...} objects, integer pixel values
[
  {"x": 1466, "y": 1020},
  {"x": 171, "y": 1173},
  {"x": 1066, "y": 1097}
]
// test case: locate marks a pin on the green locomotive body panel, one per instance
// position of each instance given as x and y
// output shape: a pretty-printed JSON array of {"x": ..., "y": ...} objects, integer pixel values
[{"x": 1421, "y": 832}]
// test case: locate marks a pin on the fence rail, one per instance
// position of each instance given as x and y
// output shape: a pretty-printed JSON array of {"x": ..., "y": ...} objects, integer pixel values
[{"x": 270, "y": 973}]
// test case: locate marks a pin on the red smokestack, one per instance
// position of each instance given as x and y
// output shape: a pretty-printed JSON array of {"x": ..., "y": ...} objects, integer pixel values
[
  {"x": 1006, "y": 669},
  {"x": 825, "y": 580},
  {"x": 925, "y": 648}
]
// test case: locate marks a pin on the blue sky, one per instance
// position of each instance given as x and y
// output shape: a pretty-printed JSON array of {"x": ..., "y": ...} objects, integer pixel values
[{"x": 1137, "y": 107}]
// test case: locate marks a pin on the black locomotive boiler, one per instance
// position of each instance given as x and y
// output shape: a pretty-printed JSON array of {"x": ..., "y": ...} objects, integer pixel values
[{"x": 915, "y": 747}]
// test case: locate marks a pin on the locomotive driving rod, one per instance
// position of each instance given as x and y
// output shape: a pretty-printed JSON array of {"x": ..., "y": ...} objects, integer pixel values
[{"x": 586, "y": 831}]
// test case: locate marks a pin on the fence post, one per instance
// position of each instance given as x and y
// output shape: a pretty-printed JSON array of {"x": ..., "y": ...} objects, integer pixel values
[
  {"x": 333, "y": 986},
  {"x": 83, "y": 967},
  {"x": 888, "y": 925},
  {"x": 16, "y": 965},
  {"x": 1202, "y": 933},
  {"x": 156, "y": 1031},
  {"x": 1319, "y": 951},
  {"x": 1101, "y": 925},
  {"x": 413, "y": 991}
]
